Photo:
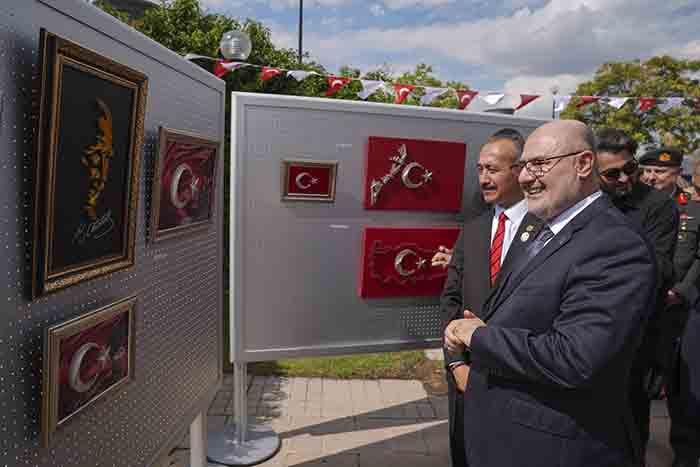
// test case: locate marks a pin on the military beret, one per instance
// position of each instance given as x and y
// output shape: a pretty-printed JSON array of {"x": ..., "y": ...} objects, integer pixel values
[{"x": 668, "y": 157}]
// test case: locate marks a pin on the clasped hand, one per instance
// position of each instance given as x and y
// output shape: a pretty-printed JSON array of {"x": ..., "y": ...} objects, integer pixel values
[{"x": 458, "y": 333}]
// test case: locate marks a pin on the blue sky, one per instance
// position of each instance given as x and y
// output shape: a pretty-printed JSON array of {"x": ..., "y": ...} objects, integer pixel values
[{"x": 512, "y": 45}]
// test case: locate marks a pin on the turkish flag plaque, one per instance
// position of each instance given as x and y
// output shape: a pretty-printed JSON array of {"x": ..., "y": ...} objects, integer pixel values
[
  {"x": 414, "y": 174},
  {"x": 308, "y": 180},
  {"x": 396, "y": 261}
]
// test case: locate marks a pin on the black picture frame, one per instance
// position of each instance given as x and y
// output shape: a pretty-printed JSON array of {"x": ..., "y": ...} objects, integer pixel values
[{"x": 87, "y": 162}]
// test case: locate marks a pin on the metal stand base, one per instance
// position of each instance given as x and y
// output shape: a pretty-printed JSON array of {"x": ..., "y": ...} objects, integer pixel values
[
  {"x": 240, "y": 443},
  {"x": 261, "y": 443}
]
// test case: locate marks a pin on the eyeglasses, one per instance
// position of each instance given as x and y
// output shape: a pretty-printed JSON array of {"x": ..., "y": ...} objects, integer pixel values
[
  {"x": 628, "y": 169},
  {"x": 541, "y": 165}
]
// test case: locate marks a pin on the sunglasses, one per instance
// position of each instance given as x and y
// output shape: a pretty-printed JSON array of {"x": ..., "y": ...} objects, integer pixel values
[{"x": 628, "y": 169}]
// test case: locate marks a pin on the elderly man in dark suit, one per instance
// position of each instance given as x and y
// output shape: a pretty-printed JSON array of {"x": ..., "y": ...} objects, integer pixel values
[
  {"x": 551, "y": 348},
  {"x": 487, "y": 244}
]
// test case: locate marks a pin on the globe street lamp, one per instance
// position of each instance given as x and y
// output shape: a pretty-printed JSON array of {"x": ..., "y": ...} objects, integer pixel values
[{"x": 235, "y": 45}]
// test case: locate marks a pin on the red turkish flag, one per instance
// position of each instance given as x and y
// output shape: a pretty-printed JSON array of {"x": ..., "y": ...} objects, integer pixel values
[
  {"x": 646, "y": 103},
  {"x": 525, "y": 99},
  {"x": 269, "y": 73},
  {"x": 465, "y": 97},
  {"x": 402, "y": 91},
  {"x": 585, "y": 100},
  {"x": 335, "y": 83},
  {"x": 396, "y": 261}
]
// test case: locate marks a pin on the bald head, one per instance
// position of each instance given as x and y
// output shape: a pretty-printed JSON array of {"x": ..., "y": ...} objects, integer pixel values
[{"x": 560, "y": 167}]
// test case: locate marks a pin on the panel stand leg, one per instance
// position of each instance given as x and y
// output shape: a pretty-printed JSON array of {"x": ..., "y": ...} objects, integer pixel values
[
  {"x": 239, "y": 443},
  {"x": 198, "y": 441}
]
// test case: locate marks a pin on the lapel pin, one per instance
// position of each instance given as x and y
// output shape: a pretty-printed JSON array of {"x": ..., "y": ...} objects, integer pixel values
[
  {"x": 524, "y": 237},
  {"x": 530, "y": 228}
]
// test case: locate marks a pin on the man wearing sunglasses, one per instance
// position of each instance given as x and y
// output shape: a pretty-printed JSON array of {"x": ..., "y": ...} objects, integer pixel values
[
  {"x": 679, "y": 325},
  {"x": 655, "y": 215}
]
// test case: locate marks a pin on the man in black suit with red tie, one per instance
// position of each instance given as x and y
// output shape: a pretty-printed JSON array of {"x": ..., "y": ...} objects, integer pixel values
[
  {"x": 481, "y": 248},
  {"x": 552, "y": 346}
]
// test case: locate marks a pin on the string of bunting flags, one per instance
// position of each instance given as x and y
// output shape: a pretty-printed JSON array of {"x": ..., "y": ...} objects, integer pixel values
[{"x": 464, "y": 96}]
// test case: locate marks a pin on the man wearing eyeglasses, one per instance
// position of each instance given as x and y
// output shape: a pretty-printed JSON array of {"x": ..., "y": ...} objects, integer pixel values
[
  {"x": 552, "y": 347},
  {"x": 489, "y": 241},
  {"x": 677, "y": 351},
  {"x": 656, "y": 216}
]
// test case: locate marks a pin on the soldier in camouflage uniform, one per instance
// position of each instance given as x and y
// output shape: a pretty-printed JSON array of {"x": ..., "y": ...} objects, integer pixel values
[{"x": 679, "y": 348}]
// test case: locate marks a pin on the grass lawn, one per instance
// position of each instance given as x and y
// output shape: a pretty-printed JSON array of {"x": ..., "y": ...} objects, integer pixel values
[{"x": 401, "y": 365}]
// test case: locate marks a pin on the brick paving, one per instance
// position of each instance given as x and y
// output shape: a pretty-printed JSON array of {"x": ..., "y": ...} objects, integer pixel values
[{"x": 360, "y": 423}]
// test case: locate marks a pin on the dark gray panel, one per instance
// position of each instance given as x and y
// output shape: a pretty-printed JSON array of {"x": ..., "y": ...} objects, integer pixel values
[{"x": 178, "y": 282}]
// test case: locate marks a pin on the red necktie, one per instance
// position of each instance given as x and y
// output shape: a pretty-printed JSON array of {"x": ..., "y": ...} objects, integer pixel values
[{"x": 497, "y": 247}]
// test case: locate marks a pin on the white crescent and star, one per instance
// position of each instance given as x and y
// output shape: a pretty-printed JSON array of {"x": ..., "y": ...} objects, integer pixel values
[
  {"x": 406, "y": 175},
  {"x": 403, "y": 91},
  {"x": 74, "y": 380},
  {"x": 398, "y": 262},
  {"x": 300, "y": 181},
  {"x": 336, "y": 82},
  {"x": 466, "y": 99},
  {"x": 180, "y": 170}
]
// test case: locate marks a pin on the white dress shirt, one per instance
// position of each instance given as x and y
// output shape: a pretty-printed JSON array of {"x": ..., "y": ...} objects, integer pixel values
[
  {"x": 558, "y": 223},
  {"x": 515, "y": 215}
]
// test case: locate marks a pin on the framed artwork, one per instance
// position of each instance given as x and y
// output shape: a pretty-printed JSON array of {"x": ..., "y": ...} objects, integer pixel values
[
  {"x": 396, "y": 261},
  {"x": 309, "y": 180},
  {"x": 85, "y": 359},
  {"x": 183, "y": 184},
  {"x": 414, "y": 174},
  {"x": 90, "y": 132}
]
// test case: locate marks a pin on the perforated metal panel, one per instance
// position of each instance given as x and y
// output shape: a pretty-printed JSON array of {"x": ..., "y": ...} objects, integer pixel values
[
  {"x": 296, "y": 264},
  {"x": 178, "y": 282}
]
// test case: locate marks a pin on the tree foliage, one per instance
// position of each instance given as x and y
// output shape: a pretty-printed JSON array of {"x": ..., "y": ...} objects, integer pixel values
[{"x": 663, "y": 76}]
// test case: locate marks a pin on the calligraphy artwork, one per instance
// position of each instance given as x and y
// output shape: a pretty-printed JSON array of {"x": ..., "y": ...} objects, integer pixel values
[
  {"x": 85, "y": 359},
  {"x": 414, "y": 174},
  {"x": 90, "y": 133},
  {"x": 184, "y": 184},
  {"x": 308, "y": 180},
  {"x": 396, "y": 261}
]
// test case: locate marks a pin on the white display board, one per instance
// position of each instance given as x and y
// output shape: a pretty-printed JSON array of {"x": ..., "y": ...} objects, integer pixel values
[{"x": 295, "y": 265}]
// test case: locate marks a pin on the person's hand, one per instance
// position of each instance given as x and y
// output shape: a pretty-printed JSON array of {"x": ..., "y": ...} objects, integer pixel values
[
  {"x": 461, "y": 375},
  {"x": 673, "y": 298},
  {"x": 460, "y": 331},
  {"x": 442, "y": 257}
]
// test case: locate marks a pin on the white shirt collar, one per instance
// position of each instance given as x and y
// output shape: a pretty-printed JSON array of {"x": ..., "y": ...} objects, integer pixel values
[
  {"x": 515, "y": 213},
  {"x": 559, "y": 222}
]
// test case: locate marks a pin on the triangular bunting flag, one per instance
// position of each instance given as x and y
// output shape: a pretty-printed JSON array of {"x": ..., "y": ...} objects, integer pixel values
[
  {"x": 335, "y": 83},
  {"x": 671, "y": 103},
  {"x": 402, "y": 91},
  {"x": 525, "y": 99},
  {"x": 431, "y": 94},
  {"x": 269, "y": 73},
  {"x": 465, "y": 97},
  {"x": 585, "y": 100},
  {"x": 492, "y": 98},
  {"x": 369, "y": 87},
  {"x": 560, "y": 103},
  {"x": 646, "y": 103},
  {"x": 616, "y": 102},
  {"x": 222, "y": 67},
  {"x": 300, "y": 75}
]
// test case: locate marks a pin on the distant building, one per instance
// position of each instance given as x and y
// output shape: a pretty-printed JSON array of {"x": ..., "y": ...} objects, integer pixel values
[{"x": 135, "y": 8}]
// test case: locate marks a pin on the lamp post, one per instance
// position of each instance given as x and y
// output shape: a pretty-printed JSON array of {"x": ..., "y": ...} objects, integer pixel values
[
  {"x": 554, "y": 90},
  {"x": 301, "y": 25}
]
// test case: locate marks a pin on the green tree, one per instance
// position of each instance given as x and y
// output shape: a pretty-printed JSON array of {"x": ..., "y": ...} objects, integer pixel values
[{"x": 657, "y": 77}]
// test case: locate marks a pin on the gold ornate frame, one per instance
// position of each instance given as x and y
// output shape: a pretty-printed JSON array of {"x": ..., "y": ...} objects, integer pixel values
[
  {"x": 51, "y": 377},
  {"x": 167, "y": 135},
  {"x": 56, "y": 53},
  {"x": 331, "y": 165}
]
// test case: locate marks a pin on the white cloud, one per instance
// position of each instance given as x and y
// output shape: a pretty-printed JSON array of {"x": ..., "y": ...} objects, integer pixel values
[
  {"x": 399, "y": 4},
  {"x": 376, "y": 9}
]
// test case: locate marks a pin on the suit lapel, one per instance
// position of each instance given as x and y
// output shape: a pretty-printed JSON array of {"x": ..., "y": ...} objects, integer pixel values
[{"x": 515, "y": 276}]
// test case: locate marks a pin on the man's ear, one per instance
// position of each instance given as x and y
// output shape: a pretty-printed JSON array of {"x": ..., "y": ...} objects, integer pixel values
[{"x": 585, "y": 164}]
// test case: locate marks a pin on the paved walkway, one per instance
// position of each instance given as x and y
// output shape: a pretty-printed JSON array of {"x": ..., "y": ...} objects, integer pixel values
[{"x": 361, "y": 423}]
